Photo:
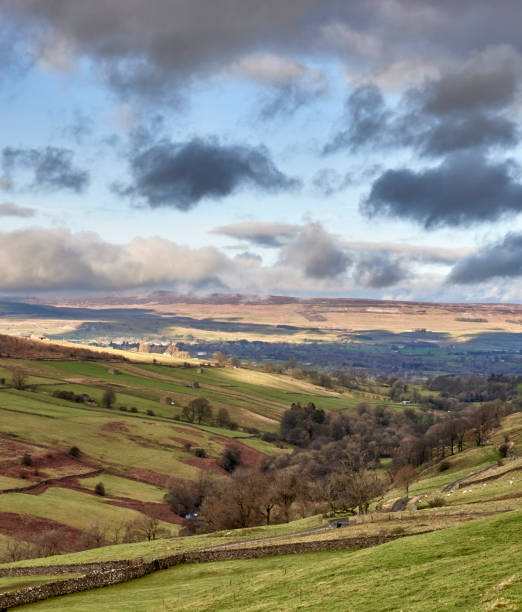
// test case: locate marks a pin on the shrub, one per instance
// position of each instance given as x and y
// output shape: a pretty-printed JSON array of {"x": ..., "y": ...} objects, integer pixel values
[
  {"x": 123, "y": 408},
  {"x": 268, "y": 436},
  {"x": 134, "y": 409},
  {"x": 109, "y": 398},
  {"x": 99, "y": 489},
  {"x": 443, "y": 466},
  {"x": 200, "y": 452},
  {"x": 436, "y": 502},
  {"x": 74, "y": 451},
  {"x": 27, "y": 459},
  {"x": 503, "y": 450},
  {"x": 230, "y": 459},
  {"x": 151, "y": 412}
]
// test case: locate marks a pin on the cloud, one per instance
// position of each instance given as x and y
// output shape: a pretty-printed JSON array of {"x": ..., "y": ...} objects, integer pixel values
[
  {"x": 316, "y": 252},
  {"x": 500, "y": 260},
  {"x": 487, "y": 81},
  {"x": 50, "y": 168},
  {"x": 291, "y": 84},
  {"x": 465, "y": 188},
  {"x": 379, "y": 270},
  {"x": 180, "y": 175},
  {"x": 9, "y": 209},
  {"x": 473, "y": 131},
  {"x": 157, "y": 48},
  {"x": 56, "y": 259},
  {"x": 366, "y": 118},
  {"x": 410, "y": 252},
  {"x": 463, "y": 106},
  {"x": 314, "y": 262},
  {"x": 328, "y": 182},
  {"x": 264, "y": 234},
  {"x": 80, "y": 127}
]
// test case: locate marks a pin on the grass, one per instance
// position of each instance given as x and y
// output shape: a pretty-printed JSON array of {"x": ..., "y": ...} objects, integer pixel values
[
  {"x": 169, "y": 546},
  {"x": 123, "y": 487},
  {"x": 72, "y": 508},
  {"x": 468, "y": 567}
]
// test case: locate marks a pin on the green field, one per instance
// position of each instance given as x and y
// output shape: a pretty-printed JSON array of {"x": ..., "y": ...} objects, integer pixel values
[
  {"x": 470, "y": 567},
  {"x": 139, "y": 444}
]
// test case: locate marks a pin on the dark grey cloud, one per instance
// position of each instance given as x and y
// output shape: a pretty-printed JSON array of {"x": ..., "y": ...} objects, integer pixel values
[
  {"x": 366, "y": 118},
  {"x": 485, "y": 84},
  {"x": 500, "y": 260},
  {"x": 317, "y": 253},
  {"x": 468, "y": 108},
  {"x": 157, "y": 46},
  {"x": 260, "y": 233},
  {"x": 154, "y": 48},
  {"x": 474, "y": 131},
  {"x": 50, "y": 168},
  {"x": 378, "y": 271},
  {"x": 179, "y": 175},
  {"x": 465, "y": 188},
  {"x": 9, "y": 209}
]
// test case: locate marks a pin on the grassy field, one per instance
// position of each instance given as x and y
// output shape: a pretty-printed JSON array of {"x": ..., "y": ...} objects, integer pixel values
[
  {"x": 468, "y": 567},
  {"x": 470, "y": 562},
  {"x": 139, "y": 444}
]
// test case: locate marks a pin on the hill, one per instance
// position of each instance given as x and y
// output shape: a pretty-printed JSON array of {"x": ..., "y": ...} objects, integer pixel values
[
  {"x": 26, "y": 348},
  {"x": 404, "y": 338},
  {"x": 464, "y": 557},
  {"x": 58, "y": 441}
]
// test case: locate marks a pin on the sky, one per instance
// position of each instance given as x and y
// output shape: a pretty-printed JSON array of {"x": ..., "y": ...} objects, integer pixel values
[{"x": 290, "y": 147}]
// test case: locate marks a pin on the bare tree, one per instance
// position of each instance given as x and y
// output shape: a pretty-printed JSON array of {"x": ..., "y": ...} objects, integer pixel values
[
  {"x": 18, "y": 378},
  {"x": 405, "y": 476}
]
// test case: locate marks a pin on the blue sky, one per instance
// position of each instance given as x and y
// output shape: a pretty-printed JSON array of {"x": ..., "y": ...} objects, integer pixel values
[{"x": 310, "y": 148}]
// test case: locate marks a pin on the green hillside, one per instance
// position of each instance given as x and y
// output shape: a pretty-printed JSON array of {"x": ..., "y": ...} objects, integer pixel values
[{"x": 134, "y": 448}]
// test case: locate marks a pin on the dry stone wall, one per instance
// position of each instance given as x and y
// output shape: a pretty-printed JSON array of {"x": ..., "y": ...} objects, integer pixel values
[{"x": 105, "y": 574}]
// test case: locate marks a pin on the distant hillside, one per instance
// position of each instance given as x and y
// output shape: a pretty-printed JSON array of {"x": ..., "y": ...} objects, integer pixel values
[{"x": 24, "y": 348}]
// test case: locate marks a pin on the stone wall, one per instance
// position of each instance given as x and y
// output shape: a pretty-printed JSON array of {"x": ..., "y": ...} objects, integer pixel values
[{"x": 114, "y": 572}]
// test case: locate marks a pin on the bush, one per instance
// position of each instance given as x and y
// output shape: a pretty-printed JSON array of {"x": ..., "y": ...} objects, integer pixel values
[
  {"x": 230, "y": 459},
  {"x": 74, "y": 451},
  {"x": 27, "y": 459},
  {"x": 200, "y": 452},
  {"x": 109, "y": 398},
  {"x": 134, "y": 409},
  {"x": 99, "y": 489},
  {"x": 436, "y": 502},
  {"x": 151, "y": 412},
  {"x": 503, "y": 450},
  {"x": 123, "y": 408},
  {"x": 268, "y": 436},
  {"x": 443, "y": 466}
]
